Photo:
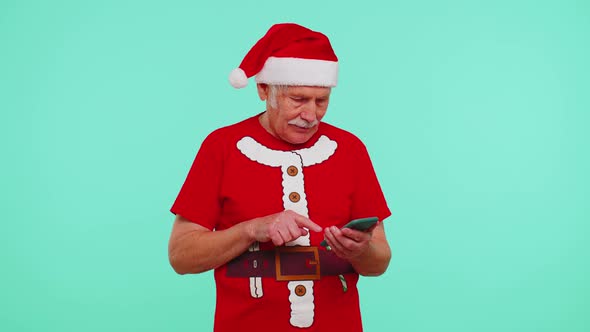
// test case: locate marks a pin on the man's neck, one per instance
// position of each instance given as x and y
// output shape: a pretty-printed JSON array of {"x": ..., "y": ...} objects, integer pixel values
[{"x": 265, "y": 123}]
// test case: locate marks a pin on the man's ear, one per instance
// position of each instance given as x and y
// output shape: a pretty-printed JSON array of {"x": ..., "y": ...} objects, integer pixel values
[{"x": 263, "y": 91}]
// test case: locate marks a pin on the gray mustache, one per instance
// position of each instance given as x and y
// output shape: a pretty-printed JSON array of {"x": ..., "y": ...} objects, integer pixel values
[{"x": 299, "y": 122}]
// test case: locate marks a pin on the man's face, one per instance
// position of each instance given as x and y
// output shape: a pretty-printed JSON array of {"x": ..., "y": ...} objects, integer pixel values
[{"x": 298, "y": 112}]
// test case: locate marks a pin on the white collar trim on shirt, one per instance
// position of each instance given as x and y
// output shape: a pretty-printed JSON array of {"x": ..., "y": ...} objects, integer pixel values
[{"x": 323, "y": 149}]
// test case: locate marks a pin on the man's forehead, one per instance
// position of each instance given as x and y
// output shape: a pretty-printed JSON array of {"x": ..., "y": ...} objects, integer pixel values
[{"x": 316, "y": 91}]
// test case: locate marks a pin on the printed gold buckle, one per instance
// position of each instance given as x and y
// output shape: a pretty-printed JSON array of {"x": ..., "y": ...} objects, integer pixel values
[{"x": 283, "y": 277}]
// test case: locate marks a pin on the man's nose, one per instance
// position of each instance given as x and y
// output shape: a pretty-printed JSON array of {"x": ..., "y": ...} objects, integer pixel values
[{"x": 309, "y": 114}]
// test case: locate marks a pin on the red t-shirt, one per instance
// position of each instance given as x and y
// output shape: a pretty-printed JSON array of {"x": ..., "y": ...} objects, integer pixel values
[{"x": 239, "y": 174}]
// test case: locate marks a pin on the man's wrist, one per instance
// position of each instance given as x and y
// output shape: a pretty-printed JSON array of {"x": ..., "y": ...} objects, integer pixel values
[
  {"x": 363, "y": 256},
  {"x": 249, "y": 230}
]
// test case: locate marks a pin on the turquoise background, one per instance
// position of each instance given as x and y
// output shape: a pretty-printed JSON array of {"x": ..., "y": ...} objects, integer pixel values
[{"x": 475, "y": 114}]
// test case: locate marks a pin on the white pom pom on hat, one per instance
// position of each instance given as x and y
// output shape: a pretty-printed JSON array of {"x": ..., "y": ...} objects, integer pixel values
[
  {"x": 289, "y": 54},
  {"x": 238, "y": 78}
]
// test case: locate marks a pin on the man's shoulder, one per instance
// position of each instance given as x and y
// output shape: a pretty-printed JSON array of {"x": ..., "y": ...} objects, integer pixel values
[{"x": 232, "y": 131}]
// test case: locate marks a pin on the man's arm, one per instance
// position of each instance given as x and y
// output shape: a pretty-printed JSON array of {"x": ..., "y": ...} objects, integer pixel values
[
  {"x": 368, "y": 252},
  {"x": 194, "y": 249}
]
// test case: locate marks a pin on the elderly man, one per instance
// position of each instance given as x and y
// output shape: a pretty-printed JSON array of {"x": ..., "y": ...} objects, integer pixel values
[{"x": 263, "y": 194}]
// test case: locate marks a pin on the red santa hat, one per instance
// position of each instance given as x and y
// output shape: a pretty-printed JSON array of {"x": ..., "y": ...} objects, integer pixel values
[{"x": 289, "y": 54}]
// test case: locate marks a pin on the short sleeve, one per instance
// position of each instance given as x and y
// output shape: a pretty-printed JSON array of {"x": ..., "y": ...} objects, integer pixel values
[
  {"x": 199, "y": 199},
  {"x": 368, "y": 199}
]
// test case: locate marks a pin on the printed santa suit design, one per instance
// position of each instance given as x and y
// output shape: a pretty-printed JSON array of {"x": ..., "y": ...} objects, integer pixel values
[
  {"x": 294, "y": 198},
  {"x": 231, "y": 182}
]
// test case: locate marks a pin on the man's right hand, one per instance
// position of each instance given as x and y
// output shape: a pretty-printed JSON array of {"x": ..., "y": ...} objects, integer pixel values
[{"x": 281, "y": 227}]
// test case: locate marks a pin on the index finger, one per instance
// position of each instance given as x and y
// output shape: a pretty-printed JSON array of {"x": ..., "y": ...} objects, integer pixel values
[{"x": 302, "y": 221}]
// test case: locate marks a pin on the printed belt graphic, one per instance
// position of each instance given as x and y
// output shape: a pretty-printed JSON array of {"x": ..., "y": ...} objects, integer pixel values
[{"x": 288, "y": 264}]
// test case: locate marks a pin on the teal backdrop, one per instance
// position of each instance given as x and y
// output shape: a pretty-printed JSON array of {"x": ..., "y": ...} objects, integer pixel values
[{"x": 475, "y": 114}]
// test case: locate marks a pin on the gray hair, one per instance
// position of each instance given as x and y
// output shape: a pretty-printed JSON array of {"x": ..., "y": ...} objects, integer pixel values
[{"x": 273, "y": 92}]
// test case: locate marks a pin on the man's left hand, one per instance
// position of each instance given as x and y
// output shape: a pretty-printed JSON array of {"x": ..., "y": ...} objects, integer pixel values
[{"x": 348, "y": 243}]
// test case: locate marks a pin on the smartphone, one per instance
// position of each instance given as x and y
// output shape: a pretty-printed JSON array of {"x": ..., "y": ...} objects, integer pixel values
[{"x": 361, "y": 224}]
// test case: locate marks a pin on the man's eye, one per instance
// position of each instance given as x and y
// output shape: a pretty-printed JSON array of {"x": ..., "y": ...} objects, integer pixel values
[{"x": 297, "y": 99}]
